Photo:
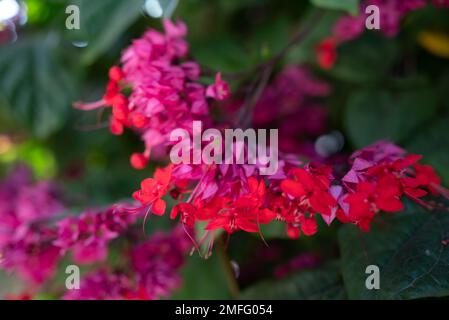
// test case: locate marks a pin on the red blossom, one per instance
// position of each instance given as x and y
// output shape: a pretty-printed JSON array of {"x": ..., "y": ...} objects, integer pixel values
[
  {"x": 327, "y": 54},
  {"x": 153, "y": 189}
]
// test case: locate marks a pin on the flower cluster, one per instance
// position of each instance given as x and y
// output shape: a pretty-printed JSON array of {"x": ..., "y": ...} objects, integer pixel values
[
  {"x": 153, "y": 272},
  {"x": 32, "y": 241},
  {"x": 34, "y": 238},
  {"x": 379, "y": 177},
  {"x": 156, "y": 262},
  {"x": 25, "y": 238},
  {"x": 88, "y": 235},
  {"x": 234, "y": 197},
  {"x": 165, "y": 92},
  {"x": 103, "y": 285},
  {"x": 237, "y": 197},
  {"x": 348, "y": 27}
]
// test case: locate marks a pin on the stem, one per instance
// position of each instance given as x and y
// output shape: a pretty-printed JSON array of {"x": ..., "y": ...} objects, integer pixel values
[
  {"x": 265, "y": 69},
  {"x": 231, "y": 280}
]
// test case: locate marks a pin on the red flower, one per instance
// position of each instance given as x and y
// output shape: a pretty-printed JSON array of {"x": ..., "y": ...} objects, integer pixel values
[
  {"x": 187, "y": 211},
  {"x": 371, "y": 198},
  {"x": 327, "y": 53},
  {"x": 246, "y": 213},
  {"x": 153, "y": 189},
  {"x": 311, "y": 191},
  {"x": 426, "y": 177},
  {"x": 138, "y": 161}
]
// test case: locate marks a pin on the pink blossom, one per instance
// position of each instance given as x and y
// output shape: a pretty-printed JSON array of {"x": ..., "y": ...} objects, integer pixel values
[
  {"x": 349, "y": 27},
  {"x": 219, "y": 90},
  {"x": 25, "y": 240},
  {"x": 153, "y": 274},
  {"x": 392, "y": 13},
  {"x": 102, "y": 285},
  {"x": 165, "y": 92},
  {"x": 156, "y": 262},
  {"x": 89, "y": 234},
  {"x": 363, "y": 159}
]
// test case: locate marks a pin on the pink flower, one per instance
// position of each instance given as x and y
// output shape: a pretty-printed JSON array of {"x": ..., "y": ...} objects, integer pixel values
[
  {"x": 219, "y": 90},
  {"x": 32, "y": 256},
  {"x": 349, "y": 27},
  {"x": 153, "y": 274},
  {"x": 156, "y": 262},
  {"x": 89, "y": 234},
  {"x": 165, "y": 94},
  {"x": 102, "y": 285},
  {"x": 25, "y": 239}
]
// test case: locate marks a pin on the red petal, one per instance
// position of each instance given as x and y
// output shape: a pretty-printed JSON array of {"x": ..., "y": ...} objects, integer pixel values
[
  {"x": 292, "y": 188},
  {"x": 158, "y": 207},
  {"x": 148, "y": 184},
  {"x": 390, "y": 204},
  {"x": 252, "y": 184},
  {"x": 247, "y": 225},
  {"x": 415, "y": 193},
  {"x": 309, "y": 226},
  {"x": 138, "y": 161},
  {"x": 163, "y": 175},
  {"x": 265, "y": 216},
  {"x": 293, "y": 232}
]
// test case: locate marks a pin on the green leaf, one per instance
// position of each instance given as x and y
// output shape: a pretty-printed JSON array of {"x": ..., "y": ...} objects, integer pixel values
[
  {"x": 367, "y": 59},
  {"x": 305, "y": 50},
  {"x": 203, "y": 279},
  {"x": 36, "y": 86},
  {"x": 407, "y": 249},
  {"x": 350, "y": 6},
  {"x": 319, "y": 284},
  {"x": 372, "y": 115},
  {"x": 10, "y": 285},
  {"x": 270, "y": 38},
  {"x": 273, "y": 230},
  {"x": 103, "y": 22},
  {"x": 432, "y": 143},
  {"x": 221, "y": 53}
]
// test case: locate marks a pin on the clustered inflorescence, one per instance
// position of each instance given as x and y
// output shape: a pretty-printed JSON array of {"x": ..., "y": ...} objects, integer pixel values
[
  {"x": 36, "y": 234},
  {"x": 165, "y": 94}
]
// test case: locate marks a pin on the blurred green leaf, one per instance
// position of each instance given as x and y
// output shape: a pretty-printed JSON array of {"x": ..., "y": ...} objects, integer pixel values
[
  {"x": 305, "y": 51},
  {"x": 319, "y": 284},
  {"x": 102, "y": 22},
  {"x": 367, "y": 59},
  {"x": 273, "y": 230},
  {"x": 432, "y": 142},
  {"x": 372, "y": 115},
  {"x": 203, "y": 279},
  {"x": 221, "y": 53},
  {"x": 351, "y": 6},
  {"x": 37, "y": 87},
  {"x": 270, "y": 38},
  {"x": 407, "y": 249},
  {"x": 10, "y": 285}
]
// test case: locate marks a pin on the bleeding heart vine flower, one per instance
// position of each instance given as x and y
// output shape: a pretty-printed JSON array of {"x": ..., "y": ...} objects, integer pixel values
[{"x": 165, "y": 94}]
